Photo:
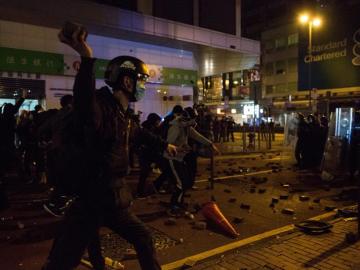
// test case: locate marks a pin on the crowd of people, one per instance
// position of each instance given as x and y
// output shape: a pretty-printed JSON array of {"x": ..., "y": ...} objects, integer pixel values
[{"x": 312, "y": 133}]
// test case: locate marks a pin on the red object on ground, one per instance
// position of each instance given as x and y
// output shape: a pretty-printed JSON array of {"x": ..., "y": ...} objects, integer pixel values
[{"x": 212, "y": 213}]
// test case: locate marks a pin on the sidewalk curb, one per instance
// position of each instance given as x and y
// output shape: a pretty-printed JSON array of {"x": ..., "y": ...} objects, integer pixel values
[{"x": 243, "y": 242}]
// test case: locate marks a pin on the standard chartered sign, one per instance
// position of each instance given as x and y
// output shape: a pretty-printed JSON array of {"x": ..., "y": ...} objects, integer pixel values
[
  {"x": 334, "y": 61},
  {"x": 328, "y": 51},
  {"x": 356, "y": 48}
]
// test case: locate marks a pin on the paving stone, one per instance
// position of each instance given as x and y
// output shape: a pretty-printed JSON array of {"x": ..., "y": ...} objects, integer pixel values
[
  {"x": 170, "y": 222},
  {"x": 245, "y": 206},
  {"x": 288, "y": 211},
  {"x": 200, "y": 225},
  {"x": 304, "y": 198},
  {"x": 237, "y": 220}
]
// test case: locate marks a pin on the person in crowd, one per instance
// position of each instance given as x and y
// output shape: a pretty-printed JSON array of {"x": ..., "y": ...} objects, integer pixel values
[
  {"x": 354, "y": 155},
  {"x": 272, "y": 129},
  {"x": 7, "y": 143},
  {"x": 96, "y": 147},
  {"x": 217, "y": 129},
  {"x": 302, "y": 136},
  {"x": 147, "y": 155},
  {"x": 223, "y": 130},
  {"x": 180, "y": 129},
  {"x": 230, "y": 129},
  {"x": 192, "y": 156},
  {"x": 263, "y": 130},
  {"x": 324, "y": 129},
  {"x": 313, "y": 146}
]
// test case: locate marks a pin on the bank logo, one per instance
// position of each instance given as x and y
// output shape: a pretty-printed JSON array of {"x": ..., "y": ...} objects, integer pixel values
[{"x": 356, "y": 48}]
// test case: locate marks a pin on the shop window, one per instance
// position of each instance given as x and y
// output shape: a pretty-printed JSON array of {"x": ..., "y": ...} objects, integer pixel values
[
  {"x": 269, "y": 45},
  {"x": 293, "y": 39},
  {"x": 269, "y": 69},
  {"x": 281, "y": 88},
  {"x": 269, "y": 89},
  {"x": 280, "y": 67},
  {"x": 292, "y": 64},
  {"x": 280, "y": 43},
  {"x": 292, "y": 86}
]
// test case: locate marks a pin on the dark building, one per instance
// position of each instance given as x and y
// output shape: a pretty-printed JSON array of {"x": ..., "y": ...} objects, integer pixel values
[{"x": 260, "y": 15}]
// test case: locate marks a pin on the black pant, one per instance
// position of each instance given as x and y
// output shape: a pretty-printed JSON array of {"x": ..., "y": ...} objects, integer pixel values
[
  {"x": 191, "y": 162},
  {"x": 145, "y": 169},
  {"x": 79, "y": 231},
  {"x": 181, "y": 179}
]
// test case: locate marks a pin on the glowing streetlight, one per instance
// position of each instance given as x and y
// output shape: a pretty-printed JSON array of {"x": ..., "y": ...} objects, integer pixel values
[
  {"x": 303, "y": 18},
  {"x": 311, "y": 21},
  {"x": 316, "y": 22}
]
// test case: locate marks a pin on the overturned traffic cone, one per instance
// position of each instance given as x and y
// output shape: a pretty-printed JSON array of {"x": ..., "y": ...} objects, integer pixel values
[{"x": 212, "y": 213}]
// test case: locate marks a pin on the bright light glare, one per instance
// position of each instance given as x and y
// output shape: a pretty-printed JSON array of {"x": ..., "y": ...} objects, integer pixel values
[
  {"x": 316, "y": 22},
  {"x": 304, "y": 18}
]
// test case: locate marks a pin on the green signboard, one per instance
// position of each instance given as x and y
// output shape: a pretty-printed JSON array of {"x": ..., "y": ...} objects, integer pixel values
[
  {"x": 31, "y": 61},
  {"x": 175, "y": 76},
  {"x": 100, "y": 67},
  {"x": 16, "y": 60}
]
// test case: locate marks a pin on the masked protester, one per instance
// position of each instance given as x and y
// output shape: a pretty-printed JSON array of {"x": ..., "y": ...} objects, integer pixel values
[
  {"x": 97, "y": 155},
  {"x": 180, "y": 129}
]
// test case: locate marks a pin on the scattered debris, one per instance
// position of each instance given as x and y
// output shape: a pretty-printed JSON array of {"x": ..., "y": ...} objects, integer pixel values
[
  {"x": 232, "y": 200},
  {"x": 351, "y": 238},
  {"x": 197, "y": 207},
  {"x": 285, "y": 185},
  {"x": 347, "y": 212},
  {"x": 252, "y": 190},
  {"x": 188, "y": 215},
  {"x": 130, "y": 254},
  {"x": 245, "y": 206},
  {"x": 275, "y": 200},
  {"x": 200, "y": 225},
  {"x": 227, "y": 190},
  {"x": 170, "y": 222},
  {"x": 304, "y": 198},
  {"x": 238, "y": 220},
  {"x": 189, "y": 263},
  {"x": 329, "y": 208},
  {"x": 284, "y": 197},
  {"x": 311, "y": 207},
  {"x": 262, "y": 190},
  {"x": 272, "y": 205},
  {"x": 288, "y": 211},
  {"x": 317, "y": 200}
]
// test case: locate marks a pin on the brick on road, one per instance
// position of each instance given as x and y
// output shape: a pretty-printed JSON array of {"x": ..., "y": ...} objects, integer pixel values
[{"x": 295, "y": 251}]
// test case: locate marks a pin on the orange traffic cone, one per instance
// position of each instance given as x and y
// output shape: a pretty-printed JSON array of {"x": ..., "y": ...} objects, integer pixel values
[{"x": 212, "y": 212}]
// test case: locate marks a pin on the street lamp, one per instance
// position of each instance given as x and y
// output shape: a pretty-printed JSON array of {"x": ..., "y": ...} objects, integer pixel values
[{"x": 311, "y": 21}]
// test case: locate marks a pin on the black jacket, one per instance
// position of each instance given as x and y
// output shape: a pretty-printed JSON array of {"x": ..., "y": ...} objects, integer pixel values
[{"x": 104, "y": 130}]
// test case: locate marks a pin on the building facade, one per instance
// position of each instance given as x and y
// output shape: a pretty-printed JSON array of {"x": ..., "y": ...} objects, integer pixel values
[{"x": 178, "y": 49}]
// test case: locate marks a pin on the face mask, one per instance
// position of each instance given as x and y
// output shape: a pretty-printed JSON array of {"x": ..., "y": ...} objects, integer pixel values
[{"x": 139, "y": 91}]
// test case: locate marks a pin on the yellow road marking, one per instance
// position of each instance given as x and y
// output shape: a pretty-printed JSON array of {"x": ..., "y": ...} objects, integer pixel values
[{"x": 225, "y": 248}]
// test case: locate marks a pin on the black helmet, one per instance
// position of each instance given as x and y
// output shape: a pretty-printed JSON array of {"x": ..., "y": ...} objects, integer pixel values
[
  {"x": 153, "y": 117},
  {"x": 191, "y": 112},
  {"x": 124, "y": 65}
]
